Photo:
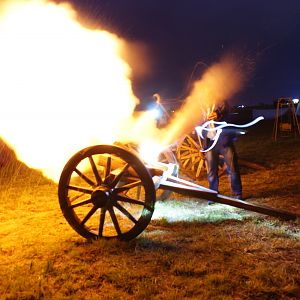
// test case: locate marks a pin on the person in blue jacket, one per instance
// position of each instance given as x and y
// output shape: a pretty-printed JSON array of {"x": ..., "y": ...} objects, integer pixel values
[{"x": 225, "y": 147}]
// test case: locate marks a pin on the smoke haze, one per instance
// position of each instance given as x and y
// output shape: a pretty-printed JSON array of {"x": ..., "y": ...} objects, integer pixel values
[{"x": 220, "y": 82}]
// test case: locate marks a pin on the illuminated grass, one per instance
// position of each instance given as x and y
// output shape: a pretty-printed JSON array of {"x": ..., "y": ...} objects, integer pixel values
[
  {"x": 194, "y": 211},
  {"x": 190, "y": 250}
]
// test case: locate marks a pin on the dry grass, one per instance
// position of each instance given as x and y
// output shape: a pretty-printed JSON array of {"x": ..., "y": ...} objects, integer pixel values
[{"x": 189, "y": 251}]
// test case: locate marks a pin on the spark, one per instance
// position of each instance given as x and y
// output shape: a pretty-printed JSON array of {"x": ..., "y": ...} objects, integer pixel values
[{"x": 210, "y": 126}]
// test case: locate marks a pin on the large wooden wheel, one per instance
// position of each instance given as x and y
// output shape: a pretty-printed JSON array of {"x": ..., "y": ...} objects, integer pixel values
[
  {"x": 106, "y": 192},
  {"x": 192, "y": 160},
  {"x": 189, "y": 156}
]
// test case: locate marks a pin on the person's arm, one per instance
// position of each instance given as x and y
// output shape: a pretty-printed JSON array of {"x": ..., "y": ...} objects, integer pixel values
[{"x": 222, "y": 112}]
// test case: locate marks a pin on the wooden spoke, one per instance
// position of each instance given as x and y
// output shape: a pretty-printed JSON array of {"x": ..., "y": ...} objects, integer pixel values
[
  {"x": 108, "y": 167},
  {"x": 101, "y": 223},
  {"x": 197, "y": 159},
  {"x": 76, "y": 197},
  {"x": 80, "y": 189},
  {"x": 185, "y": 163},
  {"x": 81, "y": 203},
  {"x": 95, "y": 171},
  {"x": 118, "y": 177},
  {"x": 196, "y": 146},
  {"x": 199, "y": 168},
  {"x": 125, "y": 212},
  {"x": 85, "y": 178},
  {"x": 188, "y": 148},
  {"x": 90, "y": 213},
  {"x": 127, "y": 186},
  {"x": 130, "y": 179},
  {"x": 133, "y": 201},
  {"x": 139, "y": 192},
  {"x": 115, "y": 221},
  {"x": 139, "y": 187}
]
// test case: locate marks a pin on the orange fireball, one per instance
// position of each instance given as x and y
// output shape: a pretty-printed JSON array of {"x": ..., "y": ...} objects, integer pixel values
[{"x": 62, "y": 86}]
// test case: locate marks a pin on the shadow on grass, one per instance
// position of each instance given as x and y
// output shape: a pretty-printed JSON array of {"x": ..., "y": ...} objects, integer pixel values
[
  {"x": 277, "y": 191},
  {"x": 113, "y": 249}
]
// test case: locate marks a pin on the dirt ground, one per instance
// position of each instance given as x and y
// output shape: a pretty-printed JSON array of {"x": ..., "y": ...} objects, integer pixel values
[{"x": 190, "y": 250}]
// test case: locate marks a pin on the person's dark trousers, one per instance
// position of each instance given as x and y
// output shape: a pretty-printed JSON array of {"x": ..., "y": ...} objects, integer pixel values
[{"x": 231, "y": 160}]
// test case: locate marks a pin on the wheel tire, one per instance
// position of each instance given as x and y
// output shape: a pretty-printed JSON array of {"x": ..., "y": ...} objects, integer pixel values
[{"x": 105, "y": 191}]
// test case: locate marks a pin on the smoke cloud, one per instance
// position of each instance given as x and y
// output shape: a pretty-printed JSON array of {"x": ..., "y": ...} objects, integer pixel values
[{"x": 220, "y": 82}]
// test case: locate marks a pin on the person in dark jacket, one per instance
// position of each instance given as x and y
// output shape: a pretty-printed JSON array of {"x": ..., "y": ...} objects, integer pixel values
[{"x": 225, "y": 147}]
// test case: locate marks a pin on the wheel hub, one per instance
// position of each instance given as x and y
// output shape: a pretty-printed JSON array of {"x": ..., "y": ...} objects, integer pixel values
[{"x": 101, "y": 198}]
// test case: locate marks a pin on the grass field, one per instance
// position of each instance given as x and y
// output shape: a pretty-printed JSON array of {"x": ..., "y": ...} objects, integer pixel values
[{"x": 189, "y": 250}]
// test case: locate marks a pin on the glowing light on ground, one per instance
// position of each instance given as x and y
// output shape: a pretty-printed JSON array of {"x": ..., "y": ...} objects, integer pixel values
[{"x": 194, "y": 211}]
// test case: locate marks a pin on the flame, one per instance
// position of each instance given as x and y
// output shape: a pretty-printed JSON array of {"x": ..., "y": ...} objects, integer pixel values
[
  {"x": 150, "y": 150},
  {"x": 62, "y": 86}
]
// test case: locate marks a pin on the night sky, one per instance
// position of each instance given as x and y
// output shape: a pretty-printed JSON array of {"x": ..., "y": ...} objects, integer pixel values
[{"x": 178, "y": 34}]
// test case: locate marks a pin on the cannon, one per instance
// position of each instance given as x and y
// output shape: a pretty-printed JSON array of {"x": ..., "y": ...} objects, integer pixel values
[{"x": 107, "y": 191}]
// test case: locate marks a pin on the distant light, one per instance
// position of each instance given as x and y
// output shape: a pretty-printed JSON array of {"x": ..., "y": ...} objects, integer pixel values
[
  {"x": 242, "y": 132},
  {"x": 156, "y": 113},
  {"x": 241, "y": 106},
  {"x": 296, "y": 101}
]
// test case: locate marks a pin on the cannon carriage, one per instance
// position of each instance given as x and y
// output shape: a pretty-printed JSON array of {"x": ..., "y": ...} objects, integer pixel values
[{"x": 107, "y": 191}]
